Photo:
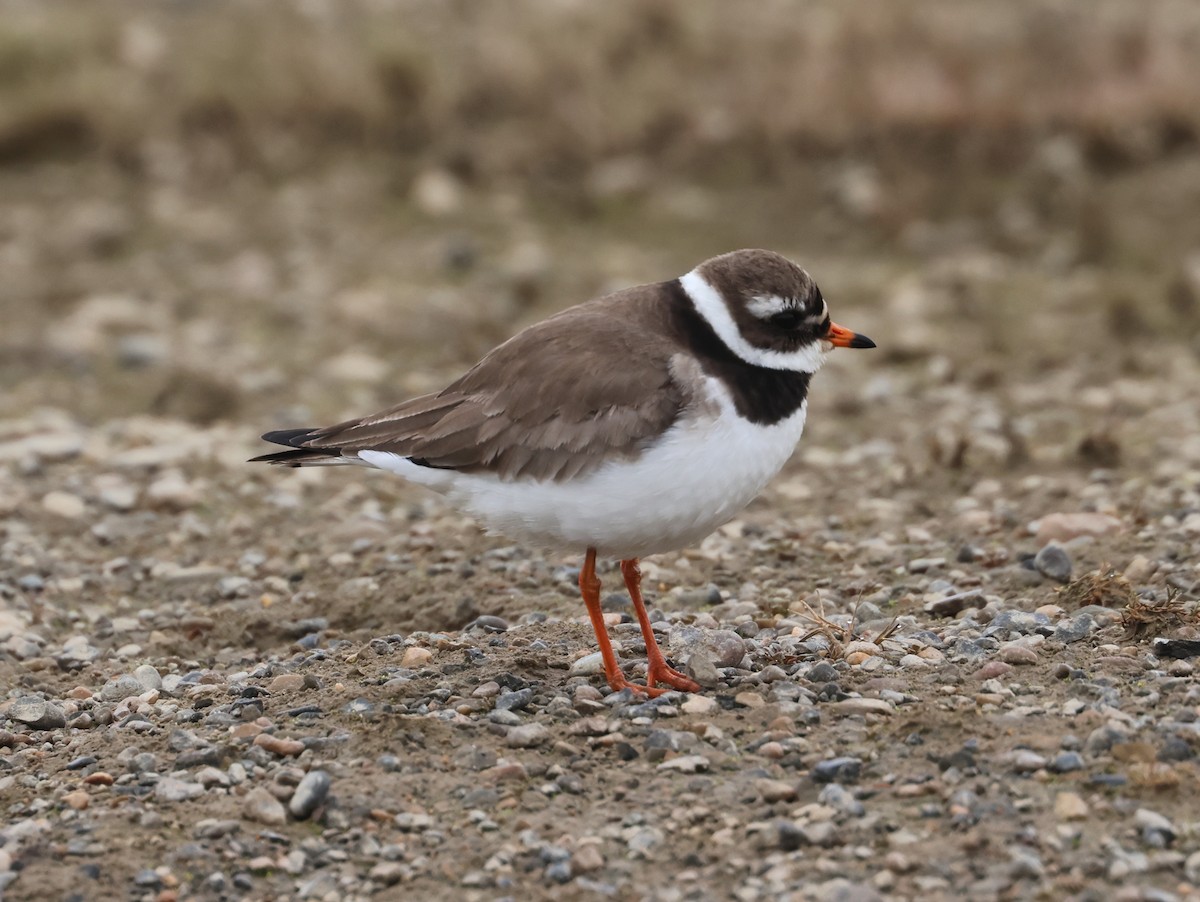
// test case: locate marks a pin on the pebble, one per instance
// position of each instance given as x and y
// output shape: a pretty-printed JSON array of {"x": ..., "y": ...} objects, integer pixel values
[
  {"x": 924, "y": 564},
  {"x": 514, "y": 701},
  {"x": 724, "y": 648},
  {"x": 121, "y": 687},
  {"x": 1063, "y": 527},
  {"x": 688, "y": 764},
  {"x": 259, "y": 805},
  {"x": 64, "y": 504},
  {"x": 170, "y": 789},
  {"x": 309, "y": 794},
  {"x": 1018, "y": 655},
  {"x": 842, "y": 770},
  {"x": 527, "y": 736},
  {"x": 1077, "y": 628},
  {"x": 852, "y": 706},
  {"x": 415, "y": 657},
  {"x": 841, "y": 799},
  {"x": 588, "y": 858},
  {"x": 699, "y": 705},
  {"x": 277, "y": 745},
  {"x": 1025, "y": 761},
  {"x": 700, "y": 667},
  {"x": 1070, "y": 806},
  {"x": 1065, "y": 763},
  {"x": 1054, "y": 563},
  {"x": 388, "y": 873},
  {"x": 286, "y": 682},
  {"x": 37, "y": 713},
  {"x": 77, "y": 799},
  {"x": 588, "y": 665},
  {"x": 148, "y": 677},
  {"x": 775, "y": 790},
  {"x": 991, "y": 670}
]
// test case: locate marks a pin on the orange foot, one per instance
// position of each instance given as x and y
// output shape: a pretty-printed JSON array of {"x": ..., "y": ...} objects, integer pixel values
[
  {"x": 621, "y": 683},
  {"x": 672, "y": 677}
]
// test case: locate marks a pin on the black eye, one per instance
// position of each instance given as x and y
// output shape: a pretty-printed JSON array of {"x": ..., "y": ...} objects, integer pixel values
[{"x": 787, "y": 319}]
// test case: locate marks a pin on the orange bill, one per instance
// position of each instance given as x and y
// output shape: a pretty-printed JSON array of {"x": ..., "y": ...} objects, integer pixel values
[{"x": 841, "y": 337}]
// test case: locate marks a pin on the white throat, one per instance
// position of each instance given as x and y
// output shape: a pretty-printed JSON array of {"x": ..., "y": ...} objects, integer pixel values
[{"x": 710, "y": 305}]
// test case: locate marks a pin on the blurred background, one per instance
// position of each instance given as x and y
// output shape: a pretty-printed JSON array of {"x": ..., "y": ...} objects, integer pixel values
[{"x": 268, "y": 214}]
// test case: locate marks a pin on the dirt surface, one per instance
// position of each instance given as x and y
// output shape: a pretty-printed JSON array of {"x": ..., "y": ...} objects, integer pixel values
[{"x": 928, "y": 648}]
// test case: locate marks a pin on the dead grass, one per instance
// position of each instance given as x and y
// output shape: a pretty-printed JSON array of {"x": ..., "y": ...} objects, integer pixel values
[{"x": 544, "y": 88}]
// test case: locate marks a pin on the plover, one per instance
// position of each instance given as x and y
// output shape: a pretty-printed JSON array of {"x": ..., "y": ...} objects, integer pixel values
[{"x": 630, "y": 425}]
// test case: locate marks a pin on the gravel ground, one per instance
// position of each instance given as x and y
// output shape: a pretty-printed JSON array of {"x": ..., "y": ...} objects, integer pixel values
[
  {"x": 928, "y": 650},
  {"x": 228, "y": 682}
]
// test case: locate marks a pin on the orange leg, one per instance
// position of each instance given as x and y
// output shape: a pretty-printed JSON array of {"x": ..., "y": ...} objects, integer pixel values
[
  {"x": 658, "y": 671},
  {"x": 589, "y": 587}
]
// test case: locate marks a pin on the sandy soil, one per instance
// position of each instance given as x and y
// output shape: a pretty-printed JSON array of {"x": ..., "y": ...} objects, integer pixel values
[{"x": 229, "y": 682}]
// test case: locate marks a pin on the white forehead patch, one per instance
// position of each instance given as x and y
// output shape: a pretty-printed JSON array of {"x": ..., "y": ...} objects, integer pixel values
[{"x": 765, "y": 306}]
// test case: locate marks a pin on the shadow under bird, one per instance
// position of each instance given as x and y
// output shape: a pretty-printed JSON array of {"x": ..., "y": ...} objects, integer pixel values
[{"x": 630, "y": 425}]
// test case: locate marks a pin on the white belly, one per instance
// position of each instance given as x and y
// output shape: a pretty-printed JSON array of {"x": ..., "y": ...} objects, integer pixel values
[{"x": 698, "y": 476}]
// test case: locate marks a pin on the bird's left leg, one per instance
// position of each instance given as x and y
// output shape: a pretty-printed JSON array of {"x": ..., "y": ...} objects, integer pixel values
[{"x": 657, "y": 671}]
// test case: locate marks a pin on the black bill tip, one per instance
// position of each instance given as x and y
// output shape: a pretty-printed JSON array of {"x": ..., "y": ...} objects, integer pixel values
[{"x": 861, "y": 341}]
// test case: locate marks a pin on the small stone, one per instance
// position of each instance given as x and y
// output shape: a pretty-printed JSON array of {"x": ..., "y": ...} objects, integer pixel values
[
  {"x": 924, "y": 564},
  {"x": 1070, "y": 806},
  {"x": 1154, "y": 822},
  {"x": 415, "y": 656},
  {"x": 148, "y": 676},
  {"x": 37, "y": 713},
  {"x": 169, "y": 789},
  {"x": 388, "y": 873},
  {"x": 700, "y": 667},
  {"x": 724, "y": 648},
  {"x": 277, "y": 745},
  {"x": 286, "y": 682},
  {"x": 1140, "y": 569},
  {"x": 775, "y": 790},
  {"x": 310, "y": 793},
  {"x": 172, "y": 492},
  {"x": 688, "y": 764},
  {"x": 954, "y": 604},
  {"x": 1077, "y": 628},
  {"x": 78, "y": 799},
  {"x": 699, "y": 704},
  {"x": 64, "y": 504},
  {"x": 1026, "y": 761},
  {"x": 852, "y": 706},
  {"x": 1191, "y": 867},
  {"x": 588, "y": 858},
  {"x": 1054, "y": 563},
  {"x": 259, "y": 805},
  {"x": 838, "y": 797},
  {"x": 588, "y": 665},
  {"x": 991, "y": 670},
  {"x": 515, "y": 701},
  {"x": 842, "y": 770},
  {"x": 1065, "y": 763},
  {"x": 749, "y": 700},
  {"x": 212, "y": 828},
  {"x": 1103, "y": 738},
  {"x": 121, "y": 687},
  {"x": 1063, "y": 527},
  {"x": 1018, "y": 654},
  {"x": 527, "y": 736}
]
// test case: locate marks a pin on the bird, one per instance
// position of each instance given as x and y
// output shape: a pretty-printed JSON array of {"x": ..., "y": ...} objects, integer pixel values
[{"x": 629, "y": 425}]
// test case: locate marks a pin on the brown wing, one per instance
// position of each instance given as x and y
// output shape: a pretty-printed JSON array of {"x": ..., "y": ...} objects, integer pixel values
[{"x": 550, "y": 403}]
